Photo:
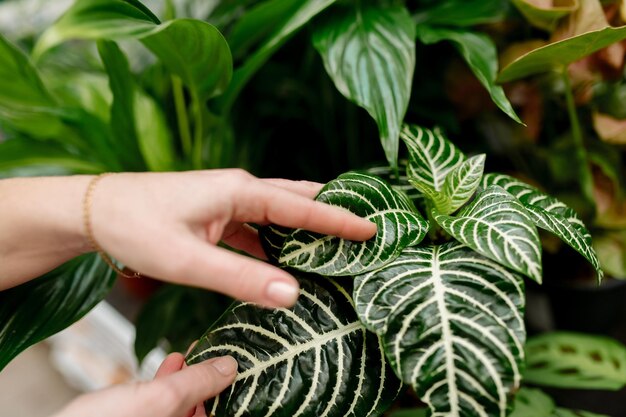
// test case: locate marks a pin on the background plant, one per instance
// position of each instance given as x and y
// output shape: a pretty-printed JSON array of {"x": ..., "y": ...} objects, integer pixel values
[{"x": 127, "y": 102}]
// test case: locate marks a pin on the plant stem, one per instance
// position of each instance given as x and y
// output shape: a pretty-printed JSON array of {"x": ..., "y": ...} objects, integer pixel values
[
  {"x": 198, "y": 144},
  {"x": 584, "y": 174},
  {"x": 181, "y": 115}
]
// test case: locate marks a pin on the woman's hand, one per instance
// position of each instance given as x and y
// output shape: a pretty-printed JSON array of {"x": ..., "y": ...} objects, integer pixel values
[
  {"x": 167, "y": 225},
  {"x": 177, "y": 391}
]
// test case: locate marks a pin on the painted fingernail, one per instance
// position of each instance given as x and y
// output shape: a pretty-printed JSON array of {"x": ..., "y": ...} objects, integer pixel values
[
  {"x": 226, "y": 365},
  {"x": 283, "y": 293}
]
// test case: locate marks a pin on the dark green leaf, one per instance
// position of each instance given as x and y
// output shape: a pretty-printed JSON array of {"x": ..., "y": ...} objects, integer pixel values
[
  {"x": 546, "y": 16},
  {"x": 313, "y": 360},
  {"x": 571, "y": 360},
  {"x": 369, "y": 52},
  {"x": 399, "y": 225},
  {"x": 413, "y": 412},
  {"x": 462, "y": 12},
  {"x": 38, "y": 309},
  {"x": 556, "y": 56},
  {"x": 480, "y": 53},
  {"x": 498, "y": 226},
  {"x": 25, "y": 103},
  {"x": 452, "y": 326}
]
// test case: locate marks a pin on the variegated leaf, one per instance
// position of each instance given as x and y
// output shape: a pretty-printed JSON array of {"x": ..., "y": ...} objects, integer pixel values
[
  {"x": 498, "y": 226},
  {"x": 314, "y": 360},
  {"x": 399, "y": 225},
  {"x": 550, "y": 214},
  {"x": 461, "y": 184},
  {"x": 431, "y": 157},
  {"x": 272, "y": 239},
  {"x": 452, "y": 325},
  {"x": 398, "y": 183}
]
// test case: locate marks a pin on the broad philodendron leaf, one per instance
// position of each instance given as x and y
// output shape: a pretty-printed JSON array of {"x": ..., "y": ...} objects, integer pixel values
[
  {"x": 498, "y": 226},
  {"x": 399, "y": 225},
  {"x": 571, "y": 360},
  {"x": 479, "y": 51},
  {"x": 532, "y": 403},
  {"x": 545, "y": 16},
  {"x": 38, "y": 309},
  {"x": 462, "y": 13},
  {"x": 313, "y": 360},
  {"x": 452, "y": 325},
  {"x": 460, "y": 185},
  {"x": 558, "y": 55},
  {"x": 431, "y": 158},
  {"x": 25, "y": 103},
  {"x": 550, "y": 214},
  {"x": 369, "y": 52},
  {"x": 194, "y": 50}
]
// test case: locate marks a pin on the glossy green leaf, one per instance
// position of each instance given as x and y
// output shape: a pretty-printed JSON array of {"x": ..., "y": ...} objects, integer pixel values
[
  {"x": 532, "y": 403},
  {"x": 194, "y": 50},
  {"x": 550, "y": 214},
  {"x": 399, "y": 183},
  {"x": 38, "y": 309},
  {"x": 452, "y": 325},
  {"x": 369, "y": 53},
  {"x": 154, "y": 134},
  {"x": 462, "y": 13},
  {"x": 498, "y": 226},
  {"x": 431, "y": 158},
  {"x": 313, "y": 360},
  {"x": 545, "y": 17},
  {"x": 273, "y": 239},
  {"x": 460, "y": 185},
  {"x": 479, "y": 51},
  {"x": 571, "y": 360},
  {"x": 399, "y": 225},
  {"x": 563, "y": 412},
  {"x": 25, "y": 103},
  {"x": 556, "y": 56},
  {"x": 21, "y": 152},
  {"x": 85, "y": 90},
  {"x": 297, "y": 13}
]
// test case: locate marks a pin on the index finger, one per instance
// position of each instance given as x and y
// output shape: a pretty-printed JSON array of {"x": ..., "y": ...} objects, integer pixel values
[{"x": 280, "y": 206}]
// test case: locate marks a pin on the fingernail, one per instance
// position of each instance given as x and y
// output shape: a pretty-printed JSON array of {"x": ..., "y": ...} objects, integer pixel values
[
  {"x": 226, "y": 365},
  {"x": 283, "y": 293}
]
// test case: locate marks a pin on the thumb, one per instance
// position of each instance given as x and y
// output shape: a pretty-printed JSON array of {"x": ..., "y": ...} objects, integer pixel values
[{"x": 194, "y": 384}]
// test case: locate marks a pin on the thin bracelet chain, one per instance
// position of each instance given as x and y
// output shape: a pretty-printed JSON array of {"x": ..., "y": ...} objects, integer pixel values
[{"x": 89, "y": 230}]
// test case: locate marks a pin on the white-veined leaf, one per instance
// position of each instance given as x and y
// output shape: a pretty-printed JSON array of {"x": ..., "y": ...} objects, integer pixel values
[
  {"x": 572, "y": 360},
  {"x": 431, "y": 158},
  {"x": 550, "y": 214},
  {"x": 452, "y": 325},
  {"x": 314, "y": 360},
  {"x": 369, "y": 52},
  {"x": 498, "y": 226},
  {"x": 273, "y": 239},
  {"x": 460, "y": 185},
  {"x": 399, "y": 225},
  {"x": 399, "y": 183}
]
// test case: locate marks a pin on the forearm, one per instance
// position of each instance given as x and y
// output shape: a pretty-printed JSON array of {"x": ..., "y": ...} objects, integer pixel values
[{"x": 41, "y": 225}]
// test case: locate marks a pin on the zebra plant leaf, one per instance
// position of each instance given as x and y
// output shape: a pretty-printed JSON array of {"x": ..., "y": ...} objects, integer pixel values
[
  {"x": 498, "y": 226},
  {"x": 398, "y": 183},
  {"x": 572, "y": 360},
  {"x": 451, "y": 321},
  {"x": 399, "y": 225},
  {"x": 460, "y": 185},
  {"x": 314, "y": 360},
  {"x": 431, "y": 158},
  {"x": 550, "y": 214}
]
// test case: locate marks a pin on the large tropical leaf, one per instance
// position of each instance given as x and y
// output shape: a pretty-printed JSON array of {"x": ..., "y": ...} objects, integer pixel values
[
  {"x": 532, "y": 403},
  {"x": 194, "y": 50},
  {"x": 572, "y": 360},
  {"x": 431, "y": 158},
  {"x": 314, "y": 360},
  {"x": 369, "y": 52},
  {"x": 498, "y": 226},
  {"x": 452, "y": 325},
  {"x": 549, "y": 214},
  {"x": 38, "y": 309},
  {"x": 545, "y": 15},
  {"x": 399, "y": 225},
  {"x": 480, "y": 53}
]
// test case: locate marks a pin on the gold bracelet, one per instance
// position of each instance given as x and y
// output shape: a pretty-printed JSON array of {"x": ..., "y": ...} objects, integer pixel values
[{"x": 89, "y": 230}]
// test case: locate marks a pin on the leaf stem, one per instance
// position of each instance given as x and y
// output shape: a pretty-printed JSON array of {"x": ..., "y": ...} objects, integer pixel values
[
  {"x": 198, "y": 144},
  {"x": 181, "y": 115},
  {"x": 584, "y": 174}
]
